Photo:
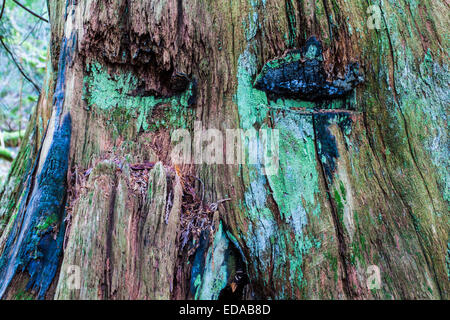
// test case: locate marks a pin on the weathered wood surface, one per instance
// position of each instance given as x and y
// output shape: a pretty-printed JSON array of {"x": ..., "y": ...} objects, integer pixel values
[{"x": 363, "y": 185}]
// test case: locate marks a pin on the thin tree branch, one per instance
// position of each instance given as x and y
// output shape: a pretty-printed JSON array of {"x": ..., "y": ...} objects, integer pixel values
[
  {"x": 25, "y": 8},
  {"x": 32, "y": 30},
  {"x": 3, "y": 9},
  {"x": 19, "y": 66}
]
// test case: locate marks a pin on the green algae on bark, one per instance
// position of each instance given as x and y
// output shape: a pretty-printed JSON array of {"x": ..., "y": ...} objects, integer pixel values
[
  {"x": 117, "y": 95},
  {"x": 266, "y": 197}
]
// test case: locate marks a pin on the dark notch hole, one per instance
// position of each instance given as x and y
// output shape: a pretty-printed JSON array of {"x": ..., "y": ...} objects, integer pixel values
[{"x": 234, "y": 290}]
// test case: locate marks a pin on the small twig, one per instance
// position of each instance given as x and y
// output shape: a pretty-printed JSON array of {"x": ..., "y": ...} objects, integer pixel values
[
  {"x": 213, "y": 206},
  {"x": 20, "y": 103},
  {"x": 30, "y": 32},
  {"x": 68, "y": 221},
  {"x": 19, "y": 66},
  {"x": 29, "y": 11}
]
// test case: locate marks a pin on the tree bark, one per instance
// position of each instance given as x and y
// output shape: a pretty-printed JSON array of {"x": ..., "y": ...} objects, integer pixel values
[{"x": 362, "y": 183}]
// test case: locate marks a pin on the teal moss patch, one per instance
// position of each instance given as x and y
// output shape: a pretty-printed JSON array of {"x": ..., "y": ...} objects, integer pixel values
[
  {"x": 113, "y": 95},
  {"x": 284, "y": 244},
  {"x": 292, "y": 194},
  {"x": 252, "y": 103},
  {"x": 297, "y": 183}
]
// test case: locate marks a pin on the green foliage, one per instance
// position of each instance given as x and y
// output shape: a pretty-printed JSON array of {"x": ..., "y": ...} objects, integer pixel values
[
  {"x": 27, "y": 38},
  {"x": 6, "y": 154}
]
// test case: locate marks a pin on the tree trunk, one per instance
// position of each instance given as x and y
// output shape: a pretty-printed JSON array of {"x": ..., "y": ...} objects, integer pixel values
[{"x": 358, "y": 95}]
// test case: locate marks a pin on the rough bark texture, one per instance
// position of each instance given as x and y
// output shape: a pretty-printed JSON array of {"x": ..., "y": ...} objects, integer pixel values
[{"x": 363, "y": 177}]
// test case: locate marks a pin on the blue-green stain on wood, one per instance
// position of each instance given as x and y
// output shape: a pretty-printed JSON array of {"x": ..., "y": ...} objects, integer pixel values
[
  {"x": 251, "y": 23},
  {"x": 218, "y": 266},
  {"x": 29, "y": 247},
  {"x": 267, "y": 240},
  {"x": 198, "y": 264},
  {"x": 295, "y": 189},
  {"x": 32, "y": 245}
]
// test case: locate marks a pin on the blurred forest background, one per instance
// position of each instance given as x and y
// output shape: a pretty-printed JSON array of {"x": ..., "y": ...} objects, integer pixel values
[{"x": 23, "y": 52}]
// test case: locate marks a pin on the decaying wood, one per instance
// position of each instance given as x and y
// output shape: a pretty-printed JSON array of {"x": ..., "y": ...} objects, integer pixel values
[{"x": 362, "y": 181}]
